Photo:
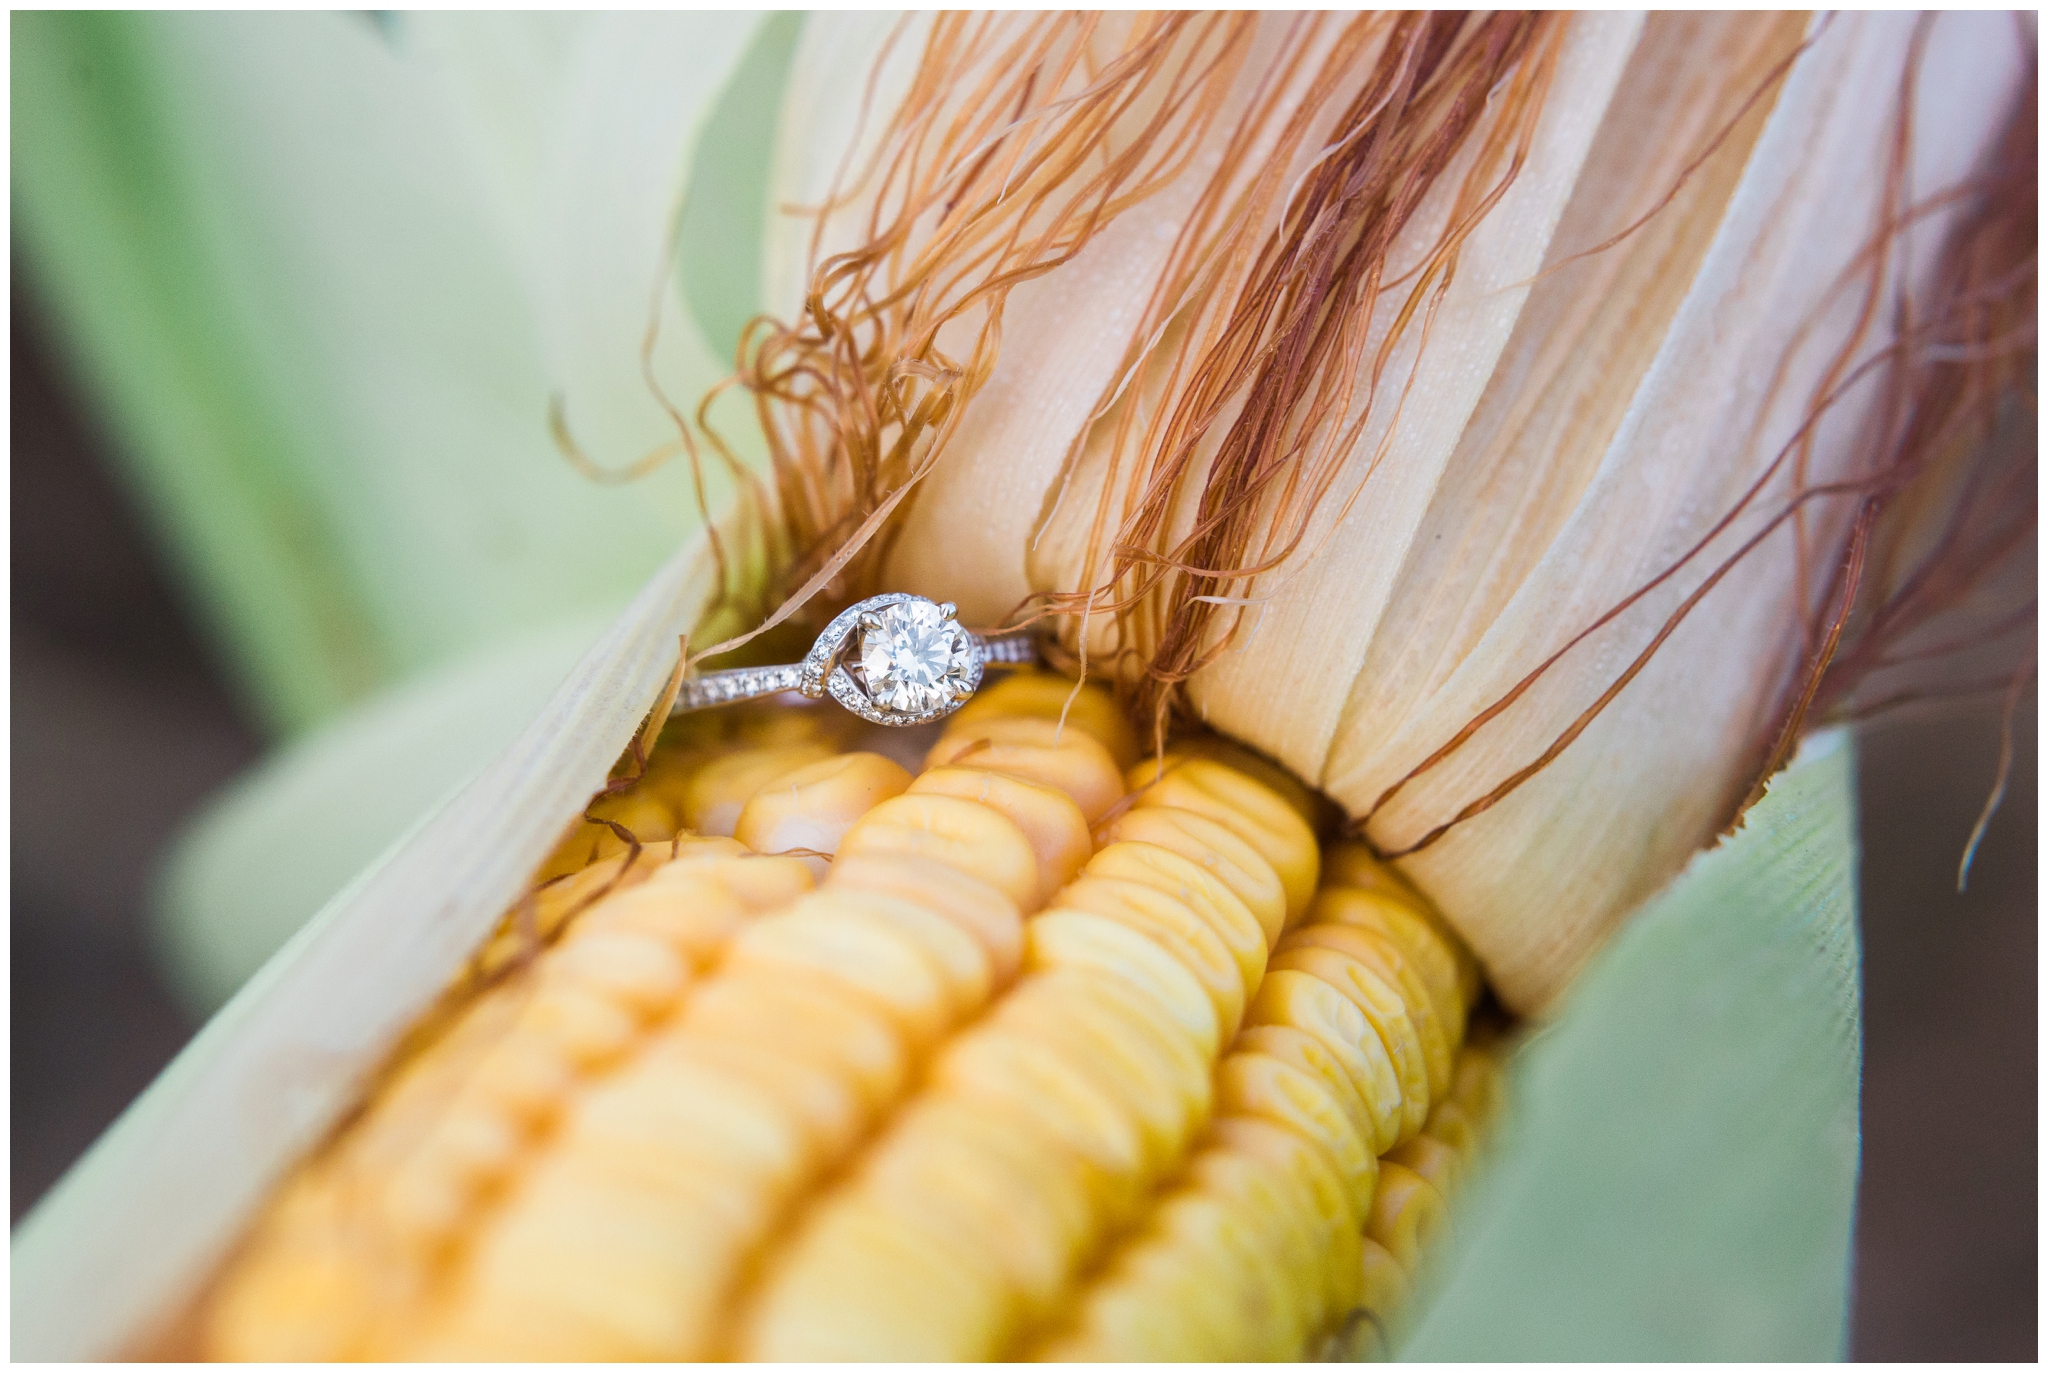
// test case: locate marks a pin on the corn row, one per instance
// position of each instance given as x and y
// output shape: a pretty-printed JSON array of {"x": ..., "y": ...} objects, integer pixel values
[
  {"x": 1043, "y": 1050},
  {"x": 1316, "y": 1186}
]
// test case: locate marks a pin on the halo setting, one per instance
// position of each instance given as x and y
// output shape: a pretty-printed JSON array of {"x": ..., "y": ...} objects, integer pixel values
[{"x": 914, "y": 659}]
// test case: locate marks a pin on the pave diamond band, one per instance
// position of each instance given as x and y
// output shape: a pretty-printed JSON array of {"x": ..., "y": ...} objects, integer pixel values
[{"x": 893, "y": 659}]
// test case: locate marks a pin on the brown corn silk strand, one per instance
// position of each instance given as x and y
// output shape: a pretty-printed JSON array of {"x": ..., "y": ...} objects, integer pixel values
[
  {"x": 1285, "y": 342},
  {"x": 1958, "y": 351},
  {"x": 1017, "y": 142}
]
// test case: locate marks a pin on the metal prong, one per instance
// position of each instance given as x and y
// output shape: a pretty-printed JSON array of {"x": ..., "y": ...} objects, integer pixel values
[
  {"x": 947, "y": 610},
  {"x": 961, "y": 691},
  {"x": 870, "y": 620}
]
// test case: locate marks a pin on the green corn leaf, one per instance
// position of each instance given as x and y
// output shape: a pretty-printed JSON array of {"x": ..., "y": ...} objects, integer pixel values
[
  {"x": 1675, "y": 1176},
  {"x": 324, "y": 275}
]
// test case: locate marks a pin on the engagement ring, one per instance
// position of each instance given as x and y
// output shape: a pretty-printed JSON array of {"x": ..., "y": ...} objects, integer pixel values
[{"x": 911, "y": 664}]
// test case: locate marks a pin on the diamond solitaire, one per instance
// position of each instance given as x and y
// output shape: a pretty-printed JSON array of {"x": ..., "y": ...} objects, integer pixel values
[{"x": 915, "y": 658}]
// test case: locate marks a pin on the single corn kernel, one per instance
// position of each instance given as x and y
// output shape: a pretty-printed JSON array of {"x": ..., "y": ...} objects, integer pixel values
[
  {"x": 1252, "y": 1084},
  {"x": 1175, "y": 926},
  {"x": 721, "y": 789},
  {"x": 1403, "y": 926},
  {"x": 1041, "y": 695},
  {"x": 1062, "y": 938},
  {"x": 1406, "y": 1212},
  {"x": 644, "y": 815},
  {"x": 1038, "y": 751},
  {"x": 1430, "y": 1159},
  {"x": 1352, "y": 864},
  {"x": 813, "y": 807},
  {"x": 830, "y": 943},
  {"x": 1049, "y": 819},
  {"x": 1267, "y": 773},
  {"x": 963, "y": 835},
  {"x": 1258, "y": 816},
  {"x": 1216, "y": 847},
  {"x": 972, "y": 904},
  {"x": 1189, "y": 882}
]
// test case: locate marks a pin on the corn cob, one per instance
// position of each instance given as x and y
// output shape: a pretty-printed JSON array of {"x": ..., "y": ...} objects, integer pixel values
[{"x": 1045, "y": 1052}]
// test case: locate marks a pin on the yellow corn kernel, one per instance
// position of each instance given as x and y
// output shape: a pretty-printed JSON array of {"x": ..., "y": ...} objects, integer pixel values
[
  {"x": 1163, "y": 1085},
  {"x": 1038, "y": 751},
  {"x": 1389, "y": 967},
  {"x": 807, "y": 1019},
  {"x": 560, "y": 895},
  {"x": 863, "y": 1284},
  {"x": 1452, "y": 1123},
  {"x": 1301, "y": 1051},
  {"x": 832, "y": 943},
  {"x": 1041, "y": 695},
  {"x": 1063, "y": 938},
  {"x": 1430, "y": 1159},
  {"x": 1478, "y": 1081},
  {"x": 1216, "y": 848},
  {"x": 990, "y": 917},
  {"x": 820, "y": 1096},
  {"x": 1267, "y": 773},
  {"x": 1401, "y": 924},
  {"x": 591, "y": 1027},
  {"x": 720, "y": 790},
  {"x": 963, "y": 835},
  {"x": 1252, "y": 1084},
  {"x": 1030, "y": 1207},
  {"x": 1301, "y": 1001},
  {"x": 694, "y": 919},
  {"x": 1258, "y": 816},
  {"x": 1335, "y": 1222},
  {"x": 1071, "y": 1097},
  {"x": 644, "y": 815},
  {"x": 1383, "y": 1284},
  {"x": 1175, "y": 926},
  {"x": 1202, "y": 1280},
  {"x": 638, "y": 972},
  {"x": 1383, "y": 1288},
  {"x": 1406, "y": 1212},
  {"x": 1220, "y": 908},
  {"x": 1383, "y": 1007},
  {"x": 1272, "y": 1227},
  {"x": 813, "y": 807},
  {"x": 304, "y": 1306},
  {"x": 1352, "y": 864},
  {"x": 1049, "y": 819}
]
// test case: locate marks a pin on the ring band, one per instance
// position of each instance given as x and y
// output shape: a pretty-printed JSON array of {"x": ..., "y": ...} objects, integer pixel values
[{"x": 911, "y": 663}]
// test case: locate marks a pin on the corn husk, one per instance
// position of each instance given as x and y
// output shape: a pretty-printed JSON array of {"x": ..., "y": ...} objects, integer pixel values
[
  {"x": 107, "y": 1260},
  {"x": 1571, "y": 424}
]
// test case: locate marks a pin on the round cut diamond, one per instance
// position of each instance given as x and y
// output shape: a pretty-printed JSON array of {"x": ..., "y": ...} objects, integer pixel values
[{"x": 914, "y": 659}]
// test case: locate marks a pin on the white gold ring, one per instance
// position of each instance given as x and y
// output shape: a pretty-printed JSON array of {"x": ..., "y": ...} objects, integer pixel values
[{"x": 913, "y": 664}]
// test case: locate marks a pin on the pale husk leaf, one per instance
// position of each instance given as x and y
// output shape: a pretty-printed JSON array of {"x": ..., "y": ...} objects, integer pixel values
[
  {"x": 114, "y": 1252},
  {"x": 1675, "y": 1175},
  {"x": 1661, "y": 770}
]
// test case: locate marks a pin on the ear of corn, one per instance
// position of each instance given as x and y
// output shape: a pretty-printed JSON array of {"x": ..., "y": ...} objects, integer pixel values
[{"x": 907, "y": 1068}]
